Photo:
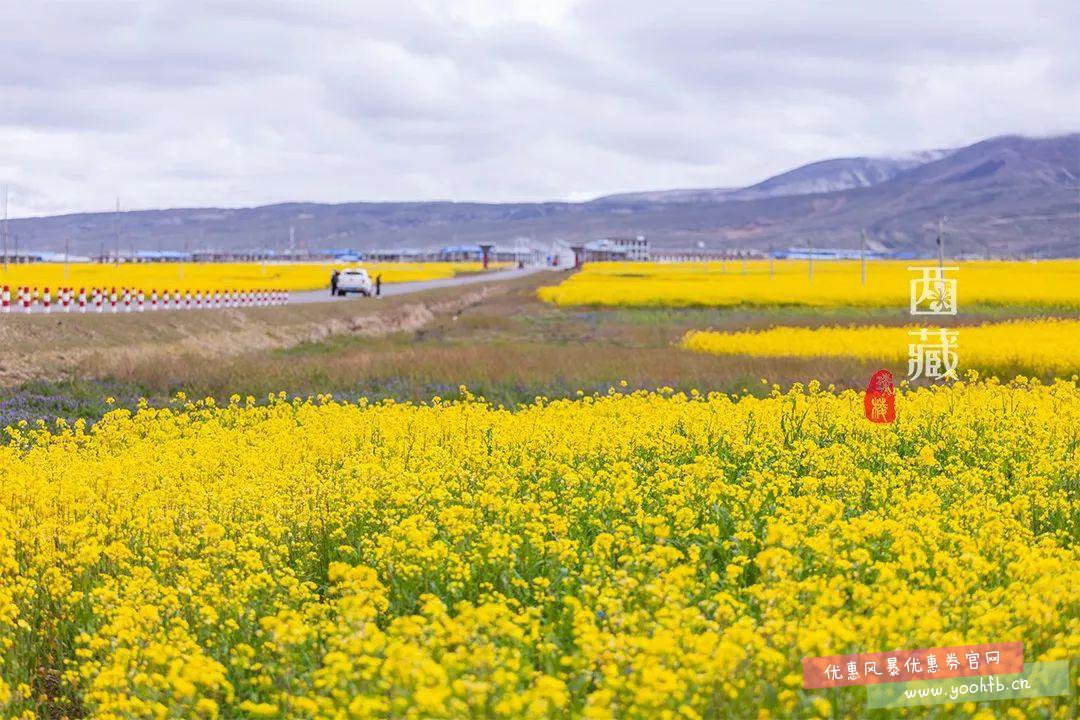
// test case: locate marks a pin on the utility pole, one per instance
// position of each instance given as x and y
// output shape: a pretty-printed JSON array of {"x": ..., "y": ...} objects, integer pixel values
[
  {"x": 116, "y": 260},
  {"x": 67, "y": 256},
  {"x": 4, "y": 228},
  {"x": 862, "y": 256},
  {"x": 941, "y": 243}
]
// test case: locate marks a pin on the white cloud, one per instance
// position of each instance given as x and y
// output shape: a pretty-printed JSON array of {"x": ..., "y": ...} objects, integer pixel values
[{"x": 243, "y": 103}]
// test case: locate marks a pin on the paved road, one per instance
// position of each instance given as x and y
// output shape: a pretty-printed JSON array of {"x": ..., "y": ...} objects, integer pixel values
[
  {"x": 318, "y": 296},
  {"x": 389, "y": 289}
]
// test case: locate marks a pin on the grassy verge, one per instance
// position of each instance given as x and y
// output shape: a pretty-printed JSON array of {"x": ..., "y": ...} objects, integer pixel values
[{"x": 508, "y": 347}]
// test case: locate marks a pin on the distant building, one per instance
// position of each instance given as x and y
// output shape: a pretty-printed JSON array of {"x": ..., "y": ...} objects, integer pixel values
[
  {"x": 561, "y": 256},
  {"x": 461, "y": 253},
  {"x": 637, "y": 247},
  {"x": 395, "y": 255},
  {"x": 33, "y": 256},
  {"x": 162, "y": 256},
  {"x": 520, "y": 251},
  {"x": 617, "y": 248},
  {"x": 805, "y": 253}
]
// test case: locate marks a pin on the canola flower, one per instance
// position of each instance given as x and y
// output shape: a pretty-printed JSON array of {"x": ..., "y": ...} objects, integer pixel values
[
  {"x": 1050, "y": 346},
  {"x": 836, "y": 283},
  {"x": 217, "y": 276},
  {"x": 651, "y": 555}
]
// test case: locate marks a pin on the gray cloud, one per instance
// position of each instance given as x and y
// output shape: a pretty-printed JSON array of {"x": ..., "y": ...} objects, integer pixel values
[{"x": 237, "y": 103}]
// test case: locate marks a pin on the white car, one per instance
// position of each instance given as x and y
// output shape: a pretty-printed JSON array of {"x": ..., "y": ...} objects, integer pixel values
[{"x": 354, "y": 280}]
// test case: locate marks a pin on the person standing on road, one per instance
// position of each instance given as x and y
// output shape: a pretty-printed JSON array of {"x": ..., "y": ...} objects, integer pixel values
[
  {"x": 333, "y": 283},
  {"x": 378, "y": 285}
]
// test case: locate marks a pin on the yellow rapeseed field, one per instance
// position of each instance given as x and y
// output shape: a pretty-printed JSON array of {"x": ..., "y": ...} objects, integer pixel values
[
  {"x": 1045, "y": 283},
  {"x": 216, "y": 276},
  {"x": 1046, "y": 345},
  {"x": 650, "y": 555}
]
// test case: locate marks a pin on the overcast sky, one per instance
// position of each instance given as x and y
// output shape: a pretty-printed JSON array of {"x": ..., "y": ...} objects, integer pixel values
[{"x": 171, "y": 104}]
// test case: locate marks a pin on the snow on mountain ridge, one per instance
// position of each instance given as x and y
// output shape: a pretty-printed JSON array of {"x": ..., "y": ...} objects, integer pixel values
[{"x": 817, "y": 177}]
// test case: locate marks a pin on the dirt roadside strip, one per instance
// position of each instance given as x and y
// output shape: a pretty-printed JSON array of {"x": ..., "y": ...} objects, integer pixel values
[{"x": 50, "y": 347}]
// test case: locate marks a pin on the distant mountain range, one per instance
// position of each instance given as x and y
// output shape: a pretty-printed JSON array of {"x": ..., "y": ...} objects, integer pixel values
[
  {"x": 1007, "y": 195},
  {"x": 820, "y": 177}
]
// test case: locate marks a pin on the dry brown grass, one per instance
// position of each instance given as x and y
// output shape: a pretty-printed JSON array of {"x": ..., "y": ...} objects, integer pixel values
[
  {"x": 498, "y": 370},
  {"x": 91, "y": 346},
  {"x": 496, "y": 339},
  {"x": 506, "y": 346}
]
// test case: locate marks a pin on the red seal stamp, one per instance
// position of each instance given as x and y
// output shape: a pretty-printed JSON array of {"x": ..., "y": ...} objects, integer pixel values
[{"x": 879, "y": 402}]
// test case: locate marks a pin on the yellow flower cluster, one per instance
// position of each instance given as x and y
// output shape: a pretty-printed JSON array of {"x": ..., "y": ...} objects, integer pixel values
[
  {"x": 627, "y": 555},
  {"x": 1047, "y": 283},
  {"x": 216, "y": 276},
  {"x": 1048, "y": 346}
]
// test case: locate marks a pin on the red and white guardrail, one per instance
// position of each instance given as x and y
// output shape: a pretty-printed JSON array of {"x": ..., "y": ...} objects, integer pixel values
[{"x": 125, "y": 300}]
